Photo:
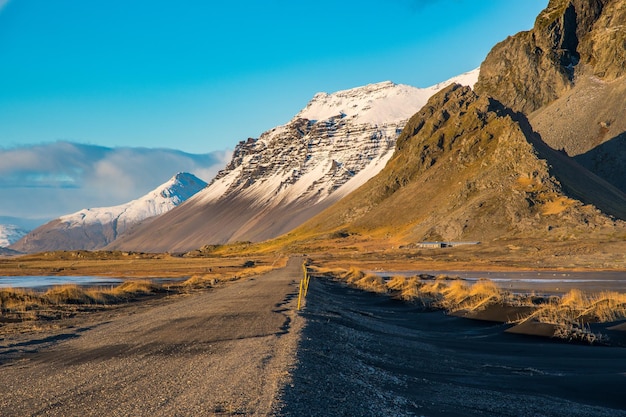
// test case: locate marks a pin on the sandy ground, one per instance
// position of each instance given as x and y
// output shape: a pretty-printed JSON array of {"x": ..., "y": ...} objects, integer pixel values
[
  {"x": 223, "y": 352},
  {"x": 368, "y": 355}
]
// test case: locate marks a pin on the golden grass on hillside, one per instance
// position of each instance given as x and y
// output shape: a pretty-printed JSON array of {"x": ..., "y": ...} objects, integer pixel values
[{"x": 557, "y": 205}]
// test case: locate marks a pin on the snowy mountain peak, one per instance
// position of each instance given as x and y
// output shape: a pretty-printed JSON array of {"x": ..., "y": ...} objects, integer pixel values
[
  {"x": 376, "y": 104},
  {"x": 467, "y": 78},
  {"x": 10, "y": 233},
  {"x": 163, "y": 198},
  {"x": 179, "y": 188},
  {"x": 94, "y": 228},
  {"x": 330, "y": 148},
  {"x": 379, "y": 103}
]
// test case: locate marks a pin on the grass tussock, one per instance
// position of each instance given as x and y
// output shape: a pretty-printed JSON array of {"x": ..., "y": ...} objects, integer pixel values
[
  {"x": 577, "y": 307},
  {"x": 571, "y": 314},
  {"x": 20, "y": 305}
]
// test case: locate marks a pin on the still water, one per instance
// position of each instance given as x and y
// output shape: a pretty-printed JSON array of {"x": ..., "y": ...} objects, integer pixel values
[
  {"x": 34, "y": 281},
  {"x": 543, "y": 281}
]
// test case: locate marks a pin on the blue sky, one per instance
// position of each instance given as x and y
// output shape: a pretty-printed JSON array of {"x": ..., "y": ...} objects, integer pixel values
[
  {"x": 199, "y": 75},
  {"x": 103, "y": 100}
]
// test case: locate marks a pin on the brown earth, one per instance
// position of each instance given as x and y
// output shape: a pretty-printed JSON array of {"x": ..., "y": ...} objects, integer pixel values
[{"x": 129, "y": 264}]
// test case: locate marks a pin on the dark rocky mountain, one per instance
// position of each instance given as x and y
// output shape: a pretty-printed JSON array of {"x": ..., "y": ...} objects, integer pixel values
[{"x": 567, "y": 75}]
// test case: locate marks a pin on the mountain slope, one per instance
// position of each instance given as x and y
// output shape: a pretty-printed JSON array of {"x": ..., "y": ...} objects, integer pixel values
[
  {"x": 466, "y": 169},
  {"x": 10, "y": 233},
  {"x": 568, "y": 75},
  {"x": 290, "y": 173},
  {"x": 94, "y": 228}
]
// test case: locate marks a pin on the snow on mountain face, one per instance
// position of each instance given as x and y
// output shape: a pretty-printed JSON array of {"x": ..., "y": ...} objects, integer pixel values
[
  {"x": 162, "y": 199},
  {"x": 335, "y": 144},
  {"x": 96, "y": 227},
  {"x": 292, "y": 172},
  {"x": 10, "y": 234}
]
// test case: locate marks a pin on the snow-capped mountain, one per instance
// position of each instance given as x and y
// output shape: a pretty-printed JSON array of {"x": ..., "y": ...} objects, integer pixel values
[
  {"x": 94, "y": 228},
  {"x": 292, "y": 172},
  {"x": 10, "y": 233}
]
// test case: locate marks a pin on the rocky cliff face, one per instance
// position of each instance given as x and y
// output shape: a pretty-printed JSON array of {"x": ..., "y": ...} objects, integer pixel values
[
  {"x": 274, "y": 183},
  {"x": 94, "y": 228},
  {"x": 567, "y": 75},
  {"x": 531, "y": 69},
  {"x": 466, "y": 167}
]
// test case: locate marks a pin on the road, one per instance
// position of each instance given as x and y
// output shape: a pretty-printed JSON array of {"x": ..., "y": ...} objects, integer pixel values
[
  {"x": 244, "y": 350},
  {"x": 222, "y": 352}
]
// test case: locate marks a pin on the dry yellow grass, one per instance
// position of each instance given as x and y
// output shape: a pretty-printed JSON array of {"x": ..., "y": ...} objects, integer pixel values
[
  {"x": 556, "y": 206},
  {"x": 578, "y": 307},
  {"x": 18, "y": 304},
  {"x": 17, "y": 300},
  {"x": 125, "y": 264},
  {"x": 570, "y": 313},
  {"x": 372, "y": 283}
]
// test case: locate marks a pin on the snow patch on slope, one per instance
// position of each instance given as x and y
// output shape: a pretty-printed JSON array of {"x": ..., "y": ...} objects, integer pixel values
[
  {"x": 162, "y": 199},
  {"x": 10, "y": 233},
  {"x": 335, "y": 144}
]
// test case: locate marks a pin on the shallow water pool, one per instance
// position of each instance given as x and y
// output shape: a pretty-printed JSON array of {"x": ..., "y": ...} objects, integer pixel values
[
  {"x": 35, "y": 281},
  {"x": 541, "y": 281}
]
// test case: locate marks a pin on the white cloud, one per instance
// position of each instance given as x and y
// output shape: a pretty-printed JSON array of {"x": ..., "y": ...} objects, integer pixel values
[{"x": 49, "y": 180}]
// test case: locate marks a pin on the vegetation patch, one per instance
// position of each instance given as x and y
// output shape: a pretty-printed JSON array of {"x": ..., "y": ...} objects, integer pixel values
[{"x": 568, "y": 317}]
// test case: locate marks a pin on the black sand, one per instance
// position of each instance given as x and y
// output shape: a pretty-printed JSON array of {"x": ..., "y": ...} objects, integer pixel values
[{"x": 367, "y": 355}]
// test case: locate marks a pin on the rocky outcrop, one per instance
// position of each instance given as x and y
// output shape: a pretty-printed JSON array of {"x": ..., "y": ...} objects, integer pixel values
[
  {"x": 531, "y": 69},
  {"x": 567, "y": 75}
]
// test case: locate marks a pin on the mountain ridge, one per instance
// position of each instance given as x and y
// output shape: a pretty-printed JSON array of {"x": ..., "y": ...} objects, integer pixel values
[
  {"x": 94, "y": 228},
  {"x": 464, "y": 169},
  {"x": 291, "y": 172}
]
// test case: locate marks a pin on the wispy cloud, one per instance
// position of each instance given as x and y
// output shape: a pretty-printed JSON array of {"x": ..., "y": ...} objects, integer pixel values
[
  {"x": 3, "y": 3},
  {"x": 63, "y": 177}
]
